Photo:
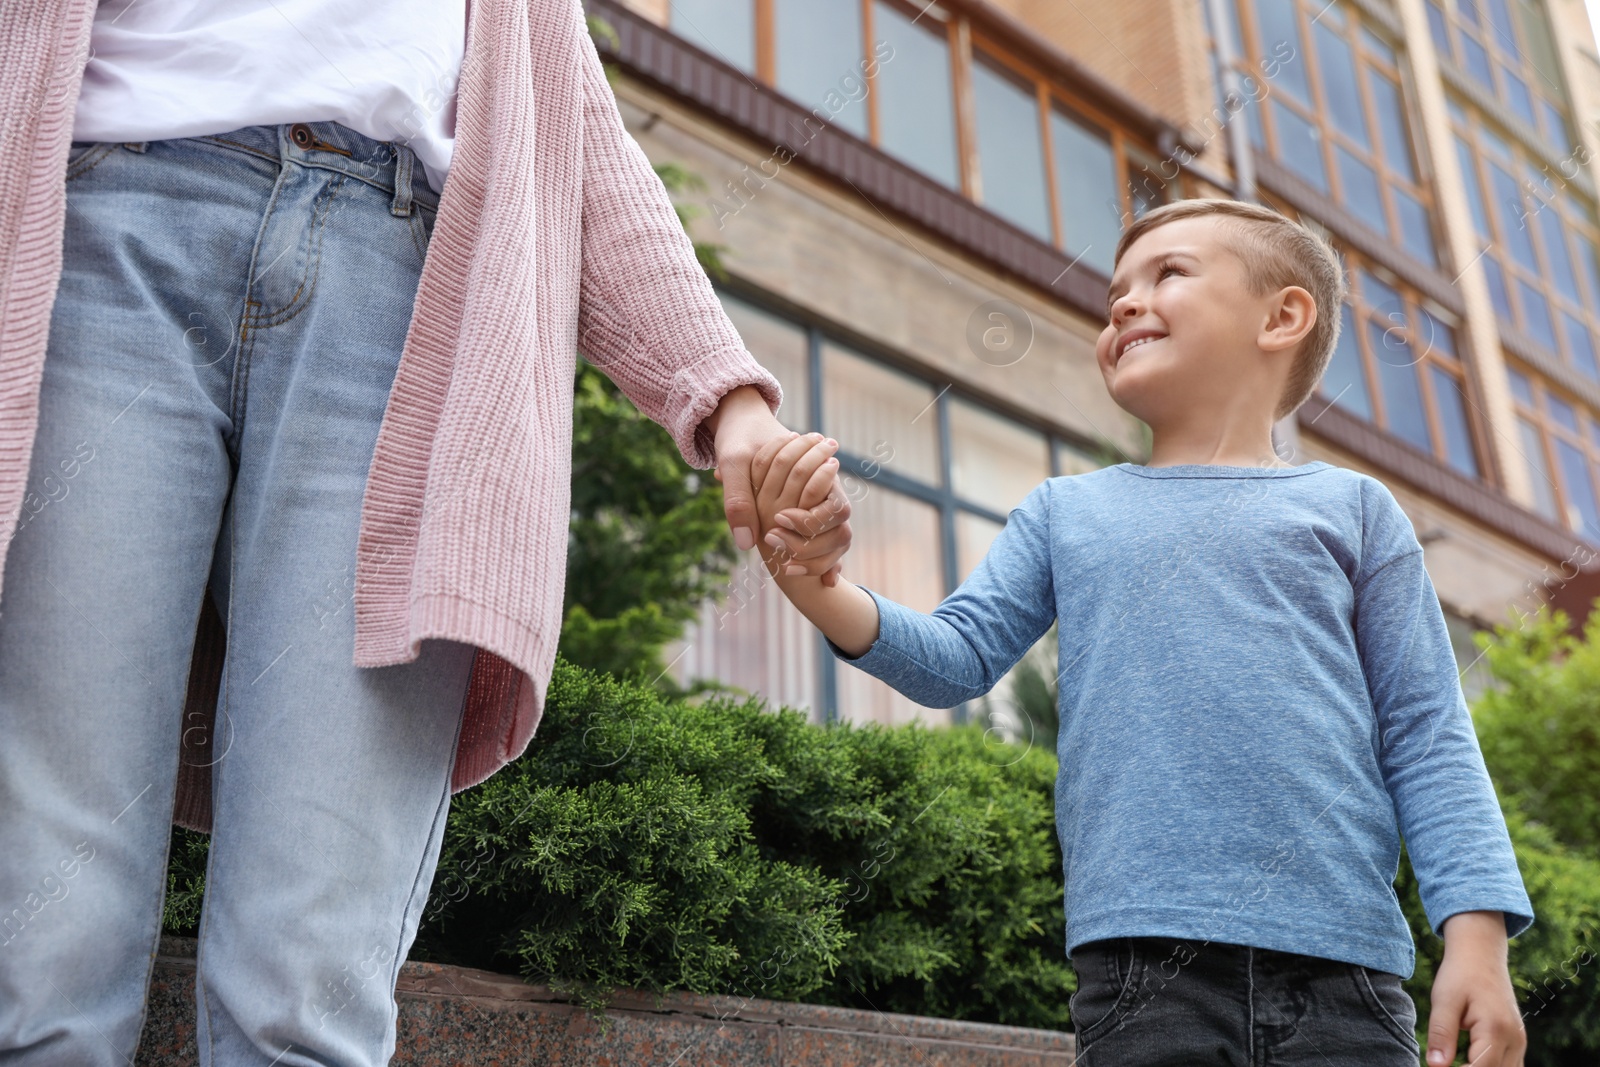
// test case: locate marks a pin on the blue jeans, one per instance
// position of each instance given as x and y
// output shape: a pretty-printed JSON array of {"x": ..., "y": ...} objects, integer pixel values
[
  {"x": 230, "y": 317},
  {"x": 1166, "y": 1002}
]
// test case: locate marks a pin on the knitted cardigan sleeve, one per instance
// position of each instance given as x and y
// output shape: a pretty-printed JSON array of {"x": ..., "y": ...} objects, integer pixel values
[{"x": 647, "y": 315}]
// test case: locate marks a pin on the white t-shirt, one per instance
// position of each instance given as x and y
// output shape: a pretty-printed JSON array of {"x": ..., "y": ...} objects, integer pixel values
[{"x": 182, "y": 68}]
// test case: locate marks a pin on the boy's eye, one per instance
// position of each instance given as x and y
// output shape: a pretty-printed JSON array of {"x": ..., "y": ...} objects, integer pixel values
[{"x": 1166, "y": 270}]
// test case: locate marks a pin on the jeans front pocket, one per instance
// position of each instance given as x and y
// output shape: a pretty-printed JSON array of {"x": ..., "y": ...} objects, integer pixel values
[
  {"x": 83, "y": 156},
  {"x": 1388, "y": 1002},
  {"x": 1110, "y": 975}
]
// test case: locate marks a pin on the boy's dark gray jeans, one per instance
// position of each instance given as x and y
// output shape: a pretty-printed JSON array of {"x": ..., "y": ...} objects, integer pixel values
[{"x": 1156, "y": 1001}]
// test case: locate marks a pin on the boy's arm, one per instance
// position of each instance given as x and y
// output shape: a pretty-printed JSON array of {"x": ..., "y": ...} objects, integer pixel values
[
  {"x": 968, "y": 642},
  {"x": 1433, "y": 767},
  {"x": 785, "y": 476},
  {"x": 1473, "y": 992},
  {"x": 846, "y": 614}
]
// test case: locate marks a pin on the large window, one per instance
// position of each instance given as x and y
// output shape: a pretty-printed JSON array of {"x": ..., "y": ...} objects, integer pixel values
[
  {"x": 1396, "y": 365},
  {"x": 1505, "y": 46},
  {"x": 893, "y": 73},
  {"x": 1541, "y": 243},
  {"x": 931, "y": 476},
  {"x": 916, "y": 107},
  {"x": 1476, "y": 677},
  {"x": 1560, "y": 440},
  {"x": 819, "y": 47},
  {"x": 1325, "y": 100},
  {"x": 1049, "y": 170},
  {"x": 727, "y": 31}
]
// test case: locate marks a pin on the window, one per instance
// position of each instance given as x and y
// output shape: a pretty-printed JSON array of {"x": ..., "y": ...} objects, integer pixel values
[
  {"x": 1474, "y": 668},
  {"x": 1010, "y": 151},
  {"x": 994, "y": 462},
  {"x": 1086, "y": 189},
  {"x": 888, "y": 71},
  {"x": 782, "y": 348},
  {"x": 1050, "y": 171},
  {"x": 726, "y": 30},
  {"x": 897, "y": 552},
  {"x": 819, "y": 48},
  {"x": 754, "y": 638},
  {"x": 924, "y": 518},
  {"x": 1560, "y": 441},
  {"x": 916, "y": 107},
  {"x": 1540, "y": 242},
  {"x": 1512, "y": 58},
  {"x": 1345, "y": 380},
  {"x": 1396, "y": 365},
  {"x": 1335, "y": 115}
]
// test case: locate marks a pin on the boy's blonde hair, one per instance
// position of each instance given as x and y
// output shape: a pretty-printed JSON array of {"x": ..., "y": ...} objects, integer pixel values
[{"x": 1276, "y": 252}]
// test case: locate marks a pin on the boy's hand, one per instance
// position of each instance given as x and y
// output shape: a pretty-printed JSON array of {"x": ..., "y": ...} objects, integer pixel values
[
  {"x": 816, "y": 527},
  {"x": 1472, "y": 991},
  {"x": 787, "y": 475}
]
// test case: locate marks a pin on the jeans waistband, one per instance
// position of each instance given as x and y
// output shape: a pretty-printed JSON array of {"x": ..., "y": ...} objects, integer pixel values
[{"x": 386, "y": 165}]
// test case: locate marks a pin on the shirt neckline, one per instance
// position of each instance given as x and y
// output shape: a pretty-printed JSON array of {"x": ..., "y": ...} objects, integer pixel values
[{"x": 1214, "y": 470}]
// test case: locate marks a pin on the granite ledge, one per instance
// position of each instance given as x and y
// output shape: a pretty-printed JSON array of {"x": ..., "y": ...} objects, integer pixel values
[{"x": 442, "y": 1021}]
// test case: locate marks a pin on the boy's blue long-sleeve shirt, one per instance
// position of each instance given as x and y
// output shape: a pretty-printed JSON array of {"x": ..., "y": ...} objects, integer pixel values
[{"x": 1257, "y": 699}]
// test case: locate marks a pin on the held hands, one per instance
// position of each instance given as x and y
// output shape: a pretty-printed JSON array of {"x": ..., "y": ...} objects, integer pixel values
[
  {"x": 818, "y": 526},
  {"x": 790, "y": 477},
  {"x": 789, "y": 473},
  {"x": 1472, "y": 991}
]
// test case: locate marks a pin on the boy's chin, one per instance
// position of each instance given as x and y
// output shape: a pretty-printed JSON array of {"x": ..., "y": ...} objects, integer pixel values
[{"x": 1144, "y": 397}]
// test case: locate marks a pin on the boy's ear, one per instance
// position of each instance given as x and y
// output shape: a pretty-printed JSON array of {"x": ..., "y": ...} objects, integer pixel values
[{"x": 1290, "y": 316}]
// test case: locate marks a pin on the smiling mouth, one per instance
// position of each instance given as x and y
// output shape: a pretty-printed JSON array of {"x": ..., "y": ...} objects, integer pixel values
[{"x": 1136, "y": 343}]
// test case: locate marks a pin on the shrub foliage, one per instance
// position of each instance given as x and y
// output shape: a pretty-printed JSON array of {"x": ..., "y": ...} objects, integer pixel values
[{"x": 722, "y": 848}]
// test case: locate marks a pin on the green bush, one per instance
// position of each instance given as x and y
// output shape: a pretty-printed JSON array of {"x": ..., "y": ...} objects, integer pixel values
[
  {"x": 1540, "y": 726},
  {"x": 647, "y": 541},
  {"x": 1555, "y": 964},
  {"x": 722, "y": 848}
]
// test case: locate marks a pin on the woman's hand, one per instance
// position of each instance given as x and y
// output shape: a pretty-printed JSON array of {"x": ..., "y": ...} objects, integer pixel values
[{"x": 742, "y": 424}]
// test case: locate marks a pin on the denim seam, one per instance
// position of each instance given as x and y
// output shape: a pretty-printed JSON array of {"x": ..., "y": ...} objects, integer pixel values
[
  {"x": 1379, "y": 1010},
  {"x": 96, "y": 155},
  {"x": 238, "y": 387},
  {"x": 321, "y": 211},
  {"x": 247, "y": 321},
  {"x": 1112, "y": 962},
  {"x": 394, "y": 971},
  {"x": 419, "y": 235},
  {"x": 1250, "y": 1003},
  {"x": 161, "y": 895},
  {"x": 439, "y": 817},
  {"x": 203, "y": 1003},
  {"x": 236, "y": 146},
  {"x": 386, "y": 164}
]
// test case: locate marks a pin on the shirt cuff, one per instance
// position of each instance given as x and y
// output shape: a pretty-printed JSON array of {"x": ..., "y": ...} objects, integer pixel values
[
  {"x": 872, "y": 660},
  {"x": 1518, "y": 915}
]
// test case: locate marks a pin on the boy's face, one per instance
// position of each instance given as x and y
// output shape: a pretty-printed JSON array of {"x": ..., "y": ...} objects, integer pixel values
[{"x": 1182, "y": 338}]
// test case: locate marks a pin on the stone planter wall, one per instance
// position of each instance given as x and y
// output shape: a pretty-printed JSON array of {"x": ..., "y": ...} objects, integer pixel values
[{"x": 458, "y": 1017}]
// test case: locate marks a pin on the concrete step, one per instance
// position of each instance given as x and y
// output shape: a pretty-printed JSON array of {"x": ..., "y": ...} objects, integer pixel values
[{"x": 460, "y": 1017}]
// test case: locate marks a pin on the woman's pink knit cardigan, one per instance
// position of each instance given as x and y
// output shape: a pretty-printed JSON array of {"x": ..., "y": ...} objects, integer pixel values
[{"x": 553, "y": 235}]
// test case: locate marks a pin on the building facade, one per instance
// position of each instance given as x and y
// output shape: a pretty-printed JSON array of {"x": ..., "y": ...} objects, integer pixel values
[{"x": 918, "y": 203}]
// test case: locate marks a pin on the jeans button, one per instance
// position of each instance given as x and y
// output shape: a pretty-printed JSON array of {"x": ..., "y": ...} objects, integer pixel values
[{"x": 301, "y": 135}]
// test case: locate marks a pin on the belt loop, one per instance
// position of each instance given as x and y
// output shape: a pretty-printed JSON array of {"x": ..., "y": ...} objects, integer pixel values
[
  {"x": 136, "y": 146},
  {"x": 401, "y": 205}
]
